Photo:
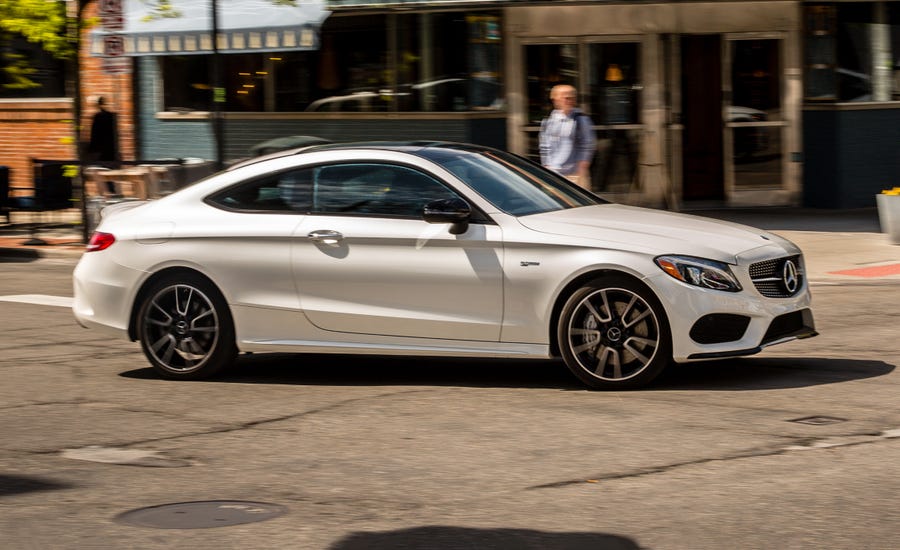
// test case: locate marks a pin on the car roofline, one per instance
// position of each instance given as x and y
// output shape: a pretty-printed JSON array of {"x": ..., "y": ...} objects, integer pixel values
[{"x": 398, "y": 146}]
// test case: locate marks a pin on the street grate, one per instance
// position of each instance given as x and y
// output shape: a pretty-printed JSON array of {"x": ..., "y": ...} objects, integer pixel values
[
  {"x": 201, "y": 514},
  {"x": 818, "y": 420}
]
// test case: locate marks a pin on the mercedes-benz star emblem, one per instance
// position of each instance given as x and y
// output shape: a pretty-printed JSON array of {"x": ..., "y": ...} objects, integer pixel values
[
  {"x": 789, "y": 276},
  {"x": 614, "y": 334}
]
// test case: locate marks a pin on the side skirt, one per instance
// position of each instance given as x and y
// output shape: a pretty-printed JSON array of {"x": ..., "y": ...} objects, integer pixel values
[{"x": 441, "y": 348}]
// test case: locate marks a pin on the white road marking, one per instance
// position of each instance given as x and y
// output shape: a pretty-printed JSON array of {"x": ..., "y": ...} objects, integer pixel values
[{"x": 39, "y": 299}]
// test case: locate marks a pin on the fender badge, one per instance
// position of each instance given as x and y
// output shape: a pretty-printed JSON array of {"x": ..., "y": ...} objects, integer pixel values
[{"x": 527, "y": 264}]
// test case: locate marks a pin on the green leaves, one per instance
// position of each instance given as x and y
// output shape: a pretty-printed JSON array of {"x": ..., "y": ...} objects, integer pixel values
[{"x": 160, "y": 9}]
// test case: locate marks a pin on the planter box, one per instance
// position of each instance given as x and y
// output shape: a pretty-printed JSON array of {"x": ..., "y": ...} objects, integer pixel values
[{"x": 889, "y": 216}]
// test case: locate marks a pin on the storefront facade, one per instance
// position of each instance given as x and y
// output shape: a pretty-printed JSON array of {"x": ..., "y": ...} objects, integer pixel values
[
  {"x": 851, "y": 113},
  {"x": 695, "y": 104}
]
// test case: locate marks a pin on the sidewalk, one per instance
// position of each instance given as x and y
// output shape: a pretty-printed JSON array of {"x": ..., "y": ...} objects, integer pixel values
[
  {"x": 839, "y": 245},
  {"x": 61, "y": 230}
]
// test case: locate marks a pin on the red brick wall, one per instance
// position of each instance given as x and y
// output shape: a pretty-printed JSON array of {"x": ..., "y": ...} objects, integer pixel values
[{"x": 42, "y": 128}]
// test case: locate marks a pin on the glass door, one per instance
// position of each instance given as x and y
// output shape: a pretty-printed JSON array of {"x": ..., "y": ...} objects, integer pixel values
[
  {"x": 546, "y": 65},
  {"x": 614, "y": 99},
  {"x": 755, "y": 126},
  {"x": 607, "y": 74}
]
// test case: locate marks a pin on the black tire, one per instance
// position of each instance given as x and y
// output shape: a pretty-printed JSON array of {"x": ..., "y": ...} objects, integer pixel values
[
  {"x": 613, "y": 334},
  {"x": 185, "y": 328}
]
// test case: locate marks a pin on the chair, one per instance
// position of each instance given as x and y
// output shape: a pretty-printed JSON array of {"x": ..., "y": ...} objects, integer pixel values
[
  {"x": 52, "y": 191},
  {"x": 94, "y": 182}
]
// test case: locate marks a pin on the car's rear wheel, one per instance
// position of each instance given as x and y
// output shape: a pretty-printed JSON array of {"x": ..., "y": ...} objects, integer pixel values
[
  {"x": 613, "y": 334},
  {"x": 185, "y": 328}
]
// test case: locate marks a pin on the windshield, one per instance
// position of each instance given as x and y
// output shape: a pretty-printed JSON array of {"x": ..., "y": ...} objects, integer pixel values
[{"x": 513, "y": 184}]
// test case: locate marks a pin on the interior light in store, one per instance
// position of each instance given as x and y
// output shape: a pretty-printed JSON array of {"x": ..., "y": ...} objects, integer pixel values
[
  {"x": 244, "y": 92},
  {"x": 274, "y": 59},
  {"x": 249, "y": 85},
  {"x": 614, "y": 73},
  {"x": 243, "y": 74},
  {"x": 262, "y": 72}
]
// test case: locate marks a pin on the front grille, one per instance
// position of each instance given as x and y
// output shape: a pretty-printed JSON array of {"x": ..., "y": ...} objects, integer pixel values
[{"x": 769, "y": 279}]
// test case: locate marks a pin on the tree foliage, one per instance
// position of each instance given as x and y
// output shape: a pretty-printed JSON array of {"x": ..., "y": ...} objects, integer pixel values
[{"x": 38, "y": 21}]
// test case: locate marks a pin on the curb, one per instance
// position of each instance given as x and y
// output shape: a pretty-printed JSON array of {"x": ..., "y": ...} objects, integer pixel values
[
  {"x": 28, "y": 254},
  {"x": 19, "y": 254}
]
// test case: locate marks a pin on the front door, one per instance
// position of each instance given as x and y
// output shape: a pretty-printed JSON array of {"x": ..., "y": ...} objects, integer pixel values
[
  {"x": 701, "y": 95},
  {"x": 366, "y": 262}
]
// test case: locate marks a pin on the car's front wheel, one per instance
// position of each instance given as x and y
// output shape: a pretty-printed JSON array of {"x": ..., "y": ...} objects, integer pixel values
[
  {"x": 185, "y": 328},
  {"x": 613, "y": 334}
]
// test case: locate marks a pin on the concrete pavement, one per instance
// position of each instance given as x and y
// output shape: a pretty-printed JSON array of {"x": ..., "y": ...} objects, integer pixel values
[{"x": 839, "y": 245}]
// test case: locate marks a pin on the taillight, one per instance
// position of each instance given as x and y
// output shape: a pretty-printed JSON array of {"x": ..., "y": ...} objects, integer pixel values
[{"x": 100, "y": 241}]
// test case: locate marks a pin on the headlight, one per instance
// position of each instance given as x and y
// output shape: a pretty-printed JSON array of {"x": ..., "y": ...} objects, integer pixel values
[{"x": 699, "y": 272}]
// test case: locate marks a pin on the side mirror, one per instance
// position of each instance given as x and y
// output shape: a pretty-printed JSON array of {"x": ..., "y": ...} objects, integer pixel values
[{"x": 454, "y": 211}]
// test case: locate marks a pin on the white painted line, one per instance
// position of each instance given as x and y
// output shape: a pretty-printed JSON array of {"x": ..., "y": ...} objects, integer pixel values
[{"x": 39, "y": 299}]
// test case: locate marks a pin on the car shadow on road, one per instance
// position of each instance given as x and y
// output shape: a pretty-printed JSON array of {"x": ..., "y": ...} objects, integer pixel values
[
  {"x": 365, "y": 370},
  {"x": 441, "y": 537},
  {"x": 768, "y": 373},
  {"x": 746, "y": 374},
  {"x": 19, "y": 484}
]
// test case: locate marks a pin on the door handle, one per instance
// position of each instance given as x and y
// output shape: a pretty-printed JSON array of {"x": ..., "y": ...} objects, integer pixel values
[{"x": 325, "y": 236}]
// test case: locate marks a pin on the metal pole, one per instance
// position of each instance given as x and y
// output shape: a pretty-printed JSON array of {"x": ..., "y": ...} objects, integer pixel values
[{"x": 218, "y": 97}]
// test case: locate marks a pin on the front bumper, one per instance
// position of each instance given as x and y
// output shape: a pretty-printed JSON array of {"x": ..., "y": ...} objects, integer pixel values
[{"x": 759, "y": 321}]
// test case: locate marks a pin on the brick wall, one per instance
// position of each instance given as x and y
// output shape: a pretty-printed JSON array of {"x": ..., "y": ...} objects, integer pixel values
[{"x": 42, "y": 128}]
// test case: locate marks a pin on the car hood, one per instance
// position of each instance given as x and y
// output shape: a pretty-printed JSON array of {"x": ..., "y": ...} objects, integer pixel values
[{"x": 656, "y": 231}]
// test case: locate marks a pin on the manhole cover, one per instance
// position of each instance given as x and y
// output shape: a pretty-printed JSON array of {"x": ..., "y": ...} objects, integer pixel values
[
  {"x": 202, "y": 514},
  {"x": 818, "y": 420}
]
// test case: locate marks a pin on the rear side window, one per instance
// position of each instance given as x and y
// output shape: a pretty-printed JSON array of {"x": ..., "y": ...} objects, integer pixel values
[{"x": 288, "y": 192}]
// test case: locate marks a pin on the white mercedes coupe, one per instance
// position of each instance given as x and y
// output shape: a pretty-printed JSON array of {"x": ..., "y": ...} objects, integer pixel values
[{"x": 431, "y": 249}]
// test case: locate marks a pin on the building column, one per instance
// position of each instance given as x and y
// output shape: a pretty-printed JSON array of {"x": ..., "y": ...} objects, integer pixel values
[{"x": 882, "y": 66}]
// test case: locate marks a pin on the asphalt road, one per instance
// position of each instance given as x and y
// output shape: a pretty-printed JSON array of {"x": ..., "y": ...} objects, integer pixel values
[{"x": 794, "y": 448}]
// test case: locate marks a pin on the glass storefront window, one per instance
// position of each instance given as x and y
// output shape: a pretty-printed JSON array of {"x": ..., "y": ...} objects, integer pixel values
[
  {"x": 614, "y": 83},
  {"x": 374, "y": 63},
  {"x": 27, "y": 71},
  {"x": 755, "y": 81},
  {"x": 546, "y": 66},
  {"x": 852, "y": 51}
]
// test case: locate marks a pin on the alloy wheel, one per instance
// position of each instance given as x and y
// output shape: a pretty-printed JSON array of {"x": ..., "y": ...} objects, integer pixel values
[
  {"x": 180, "y": 328},
  {"x": 613, "y": 334}
]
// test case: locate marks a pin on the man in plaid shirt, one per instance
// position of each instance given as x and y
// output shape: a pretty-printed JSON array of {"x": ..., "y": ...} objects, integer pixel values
[{"x": 567, "y": 138}]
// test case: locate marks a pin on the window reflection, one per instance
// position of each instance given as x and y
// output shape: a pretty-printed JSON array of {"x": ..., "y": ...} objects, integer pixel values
[
  {"x": 611, "y": 90},
  {"x": 26, "y": 70},
  {"x": 614, "y": 83},
  {"x": 756, "y": 98},
  {"x": 546, "y": 66},
  {"x": 373, "y": 63},
  {"x": 841, "y": 43}
]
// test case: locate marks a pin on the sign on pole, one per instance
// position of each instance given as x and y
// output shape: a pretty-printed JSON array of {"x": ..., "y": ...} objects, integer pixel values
[
  {"x": 111, "y": 15},
  {"x": 112, "y": 18}
]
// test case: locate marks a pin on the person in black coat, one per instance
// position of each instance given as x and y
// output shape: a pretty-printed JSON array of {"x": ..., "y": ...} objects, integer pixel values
[{"x": 104, "y": 144}]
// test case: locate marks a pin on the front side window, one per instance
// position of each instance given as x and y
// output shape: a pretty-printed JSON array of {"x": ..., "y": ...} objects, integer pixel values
[{"x": 375, "y": 189}]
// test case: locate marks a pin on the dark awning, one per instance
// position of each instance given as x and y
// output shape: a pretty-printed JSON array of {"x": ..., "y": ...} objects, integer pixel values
[{"x": 244, "y": 26}]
